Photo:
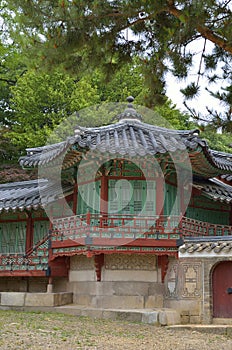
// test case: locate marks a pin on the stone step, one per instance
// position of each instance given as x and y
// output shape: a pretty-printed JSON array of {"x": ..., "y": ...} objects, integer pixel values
[
  {"x": 159, "y": 317},
  {"x": 221, "y": 329}
]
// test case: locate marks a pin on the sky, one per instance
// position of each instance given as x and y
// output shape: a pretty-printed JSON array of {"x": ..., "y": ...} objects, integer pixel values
[{"x": 204, "y": 99}]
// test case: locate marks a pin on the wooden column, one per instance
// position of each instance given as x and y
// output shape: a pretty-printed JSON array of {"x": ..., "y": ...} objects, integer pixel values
[
  {"x": 182, "y": 201},
  {"x": 98, "y": 263},
  {"x": 75, "y": 194},
  {"x": 104, "y": 195},
  {"x": 29, "y": 232},
  {"x": 159, "y": 195},
  {"x": 104, "y": 200},
  {"x": 231, "y": 214},
  {"x": 163, "y": 265},
  {"x": 75, "y": 191}
]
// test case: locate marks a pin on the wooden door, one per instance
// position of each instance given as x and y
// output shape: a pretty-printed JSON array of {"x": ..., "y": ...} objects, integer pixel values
[{"x": 222, "y": 290}]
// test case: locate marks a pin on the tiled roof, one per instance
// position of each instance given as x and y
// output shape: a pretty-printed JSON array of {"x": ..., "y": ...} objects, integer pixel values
[
  {"x": 215, "y": 189},
  {"x": 227, "y": 177},
  {"x": 207, "y": 245},
  {"x": 126, "y": 138},
  {"x": 28, "y": 194},
  {"x": 130, "y": 137}
]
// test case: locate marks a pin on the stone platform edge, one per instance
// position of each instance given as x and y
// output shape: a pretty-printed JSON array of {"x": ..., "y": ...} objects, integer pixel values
[{"x": 20, "y": 299}]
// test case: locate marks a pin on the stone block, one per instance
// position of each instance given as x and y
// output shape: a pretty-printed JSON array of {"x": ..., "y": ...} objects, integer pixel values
[
  {"x": 151, "y": 317},
  {"x": 120, "y": 302},
  {"x": 129, "y": 316},
  {"x": 195, "y": 319},
  {"x": 92, "y": 313},
  {"x": 39, "y": 299},
  {"x": 169, "y": 317},
  {"x": 185, "y": 319},
  {"x": 12, "y": 298},
  {"x": 153, "y": 301},
  {"x": 86, "y": 300},
  {"x": 129, "y": 275},
  {"x": 86, "y": 275},
  {"x": 109, "y": 314},
  {"x": 63, "y": 298},
  {"x": 48, "y": 299},
  {"x": 131, "y": 288},
  {"x": 156, "y": 288},
  {"x": 185, "y": 313}
]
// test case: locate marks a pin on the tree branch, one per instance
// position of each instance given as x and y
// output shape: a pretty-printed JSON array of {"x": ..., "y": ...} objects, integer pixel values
[{"x": 203, "y": 30}]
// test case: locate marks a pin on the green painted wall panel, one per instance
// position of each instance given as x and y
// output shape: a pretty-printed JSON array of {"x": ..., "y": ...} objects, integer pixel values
[
  {"x": 89, "y": 198},
  {"x": 40, "y": 230},
  {"x": 171, "y": 200},
  {"x": 13, "y": 237},
  {"x": 212, "y": 216}
]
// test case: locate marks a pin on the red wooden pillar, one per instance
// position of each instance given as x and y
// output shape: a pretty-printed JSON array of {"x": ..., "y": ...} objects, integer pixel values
[
  {"x": 182, "y": 201},
  {"x": 75, "y": 193},
  {"x": 104, "y": 199},
  {"x": 160, "y": 195},
  {"x": 29, "y": 232},
  {"x": 230, "y": 223},
  {"x": 49, "y": 270},
  {"x": 104, "y": 195},
  {"x": 98, "y": 263},
  {"x": 163, "y": 265}
]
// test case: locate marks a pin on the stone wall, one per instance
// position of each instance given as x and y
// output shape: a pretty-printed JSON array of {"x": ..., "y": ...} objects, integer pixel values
[
  {"x": 188, "y": 288},
  {"x": 23, "y": 284},
  {"x": 127, "y": 282}
]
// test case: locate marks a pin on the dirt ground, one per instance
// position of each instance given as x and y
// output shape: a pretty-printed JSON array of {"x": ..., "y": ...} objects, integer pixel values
[{"x": 30, "y": 330}]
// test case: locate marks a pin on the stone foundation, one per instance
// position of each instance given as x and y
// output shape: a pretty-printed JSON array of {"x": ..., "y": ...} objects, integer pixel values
[
  {"x": 127, "y": 282},
  {"x": 34, "y": 299}
]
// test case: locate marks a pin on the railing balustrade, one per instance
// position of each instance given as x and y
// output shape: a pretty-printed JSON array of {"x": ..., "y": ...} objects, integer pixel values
[{"x": 131, "y": 226}]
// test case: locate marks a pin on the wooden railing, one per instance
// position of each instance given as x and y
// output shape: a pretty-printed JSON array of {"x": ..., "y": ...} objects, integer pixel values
[
  {"x": 133, "y": 227},
  {"x": 35, "y": 260},
  {"x": 109, "y": 230}
]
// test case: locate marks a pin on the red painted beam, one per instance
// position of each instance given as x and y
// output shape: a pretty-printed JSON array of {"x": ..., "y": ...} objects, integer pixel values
[
  {"x": 23, "y": 273},
  {"x": 143, "y": 242}
]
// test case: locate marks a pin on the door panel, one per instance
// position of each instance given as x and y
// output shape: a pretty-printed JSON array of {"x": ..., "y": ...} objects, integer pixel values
[{"x": 222, "y": 290}]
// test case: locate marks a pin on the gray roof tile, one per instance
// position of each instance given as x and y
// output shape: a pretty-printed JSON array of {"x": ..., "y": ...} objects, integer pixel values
[
  {"x": 29, "y": 194},
  {"x": 130, "y": 138}
]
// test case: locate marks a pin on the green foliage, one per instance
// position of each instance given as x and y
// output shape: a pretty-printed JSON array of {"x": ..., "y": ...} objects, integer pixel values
[
  {"x": 219, "y": 142},
  {"x": 41, "y": 101},
  {"x": 191, "y": 91},
  {"x": 11, "y": 67},
  {"x": 81, "y": 36},
  {"x": 44, "y": 105}
]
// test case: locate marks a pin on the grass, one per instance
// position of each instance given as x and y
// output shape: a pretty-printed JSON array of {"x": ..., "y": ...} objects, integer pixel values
[{"x": 38, "y": 330}]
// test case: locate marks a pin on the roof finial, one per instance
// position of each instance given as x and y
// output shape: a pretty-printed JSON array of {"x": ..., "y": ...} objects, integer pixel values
[
  {"x": 129, "y": 112},
  {"x": 130, "y": 99}
]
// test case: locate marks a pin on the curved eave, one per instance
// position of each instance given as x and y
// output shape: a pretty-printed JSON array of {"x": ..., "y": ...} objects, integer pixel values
[
  {"x": 29, "y": 195},
  {"x": 131, "y": 139},
  {"x": 215, "y": 190}
]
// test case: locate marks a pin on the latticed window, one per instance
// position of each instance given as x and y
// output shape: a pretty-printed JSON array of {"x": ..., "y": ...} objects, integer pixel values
[
  {"x": 13, "y": 237},
  {"x": 40, "y": 230}
]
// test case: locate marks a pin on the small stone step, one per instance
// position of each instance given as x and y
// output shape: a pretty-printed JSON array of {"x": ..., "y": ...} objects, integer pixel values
[
  {"x": 208, "y": 328},
  {"x": 163, "y": 317}
]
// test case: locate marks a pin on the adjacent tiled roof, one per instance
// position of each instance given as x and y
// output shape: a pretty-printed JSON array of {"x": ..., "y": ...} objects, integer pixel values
[
  {"x": 227, "y": 178},
  {"x": 28, "y": 194},
  {"x": 207, "y": 245},
  {"x": 215, "y": 189}
]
